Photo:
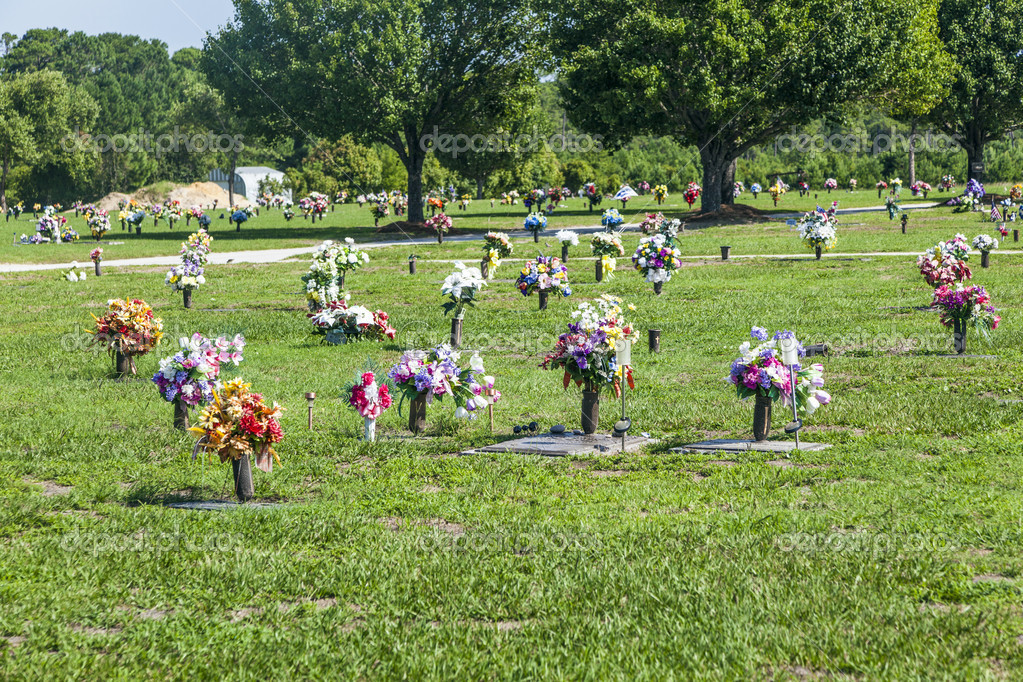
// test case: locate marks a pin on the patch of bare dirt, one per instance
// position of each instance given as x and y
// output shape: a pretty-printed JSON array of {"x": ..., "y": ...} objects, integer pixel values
[
  {"x": 50, "y": 488},
  {"x": 991, "y": 578},
  {"x": 455, "y": 529},
  {"x": 606, "y": 473},
  {"x": 429, "y": 489},
  {"x": 733, "y": 214},
  {"x": 202, "y": 194},
  {"x": 392, "y": 523}
]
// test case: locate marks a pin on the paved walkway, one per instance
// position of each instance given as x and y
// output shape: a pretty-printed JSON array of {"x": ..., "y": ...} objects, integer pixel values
[{"x": 278, "y": 255}]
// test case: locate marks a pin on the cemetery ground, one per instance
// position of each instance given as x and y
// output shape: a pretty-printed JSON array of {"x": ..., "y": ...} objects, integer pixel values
[{"x": 895, "y": 553}]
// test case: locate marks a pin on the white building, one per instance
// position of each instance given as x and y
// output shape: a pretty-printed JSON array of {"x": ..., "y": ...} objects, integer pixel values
[{"x": 246, "y": 180}]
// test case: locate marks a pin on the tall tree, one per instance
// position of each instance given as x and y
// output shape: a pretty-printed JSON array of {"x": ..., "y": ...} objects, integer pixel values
[
  {"x": 39, "y": 118},
  {"x": 727, "y": 75},
  {"x": 385, "y": 71},
  {"x": 984, "y": 100}
]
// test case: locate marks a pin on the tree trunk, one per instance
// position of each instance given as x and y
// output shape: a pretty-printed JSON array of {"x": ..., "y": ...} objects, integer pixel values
[
  {"x": 728, "y": 184},
  {"x": 3, "y": 184},
  {"x": 230, "y": 178},
  {"x": 715, "y": 161},
  {"x": 912, "y": 155},
  {"x": 414, "y": 166}
]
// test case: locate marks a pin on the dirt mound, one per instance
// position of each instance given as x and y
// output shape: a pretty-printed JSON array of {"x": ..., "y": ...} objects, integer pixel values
[
  {"x": 202, "y": 194},
  {"x": 730, "y": 214}
]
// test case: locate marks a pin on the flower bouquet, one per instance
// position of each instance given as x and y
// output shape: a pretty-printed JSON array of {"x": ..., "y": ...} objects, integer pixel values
[
  {"x": 435, "y": 203},
  {"x": 985, "y": 244},
  {"x": 830, "y": 184},
  {"x": 50, "y": 225},
  {"x": 496, "y": 246},
  {"x": 542, "y": 275},
  {"x": 464, "y": 201},
  {"x": 1016, "y": 192},
  {"x": 963, "y": 307},
  {"x": 440, "y": 223},
  {"x": 656, "y": 257},
  {"x": 852, "y": 184},
  {"x": 777, "y": 190},
  {"x": 462, "y": 287},
  {"x": 611, "y": 219},
  {"x": 68, "y": 234},
  {"x": 96, "y": 256},
  {"x": 239, "y": 217},
  {"x": 567, "y": 238},
  {"x": 236, "y": 425},
  {"x": 194, "y": 212},
  {"x": 920, "y": 187},
  {"x": 196, "y": 247},
  {"x": 99, "y": 223},
  {"x": 370, "y": 400},
  {"x": 692, "y": 193},
  {"x": 186, "y": 276},
  {"x": 755, "y": 189},
  {"x": 881, "y": 186},
  {"x": 326, "y": 276},
  {"x": 891, "y": 203},
  {"x": 536, "y": 223},
  {"x": 288, "y": 214},
  {"x": 134, "y": 219},
  {"x": 660, "y": 193},
  {"x": 128, "y": 329},
  {"x": 650, "y": 223},
  {"x": 73, "y": 276},
  {"x": 817, "y": 230},
  {"x": 945, "y": 263},
  {"x": 341, "y": 323},
  {"x": 174, "y": 213},
  {"x": 423, "y": 376},
  {"x": 381, "y": 210},
  {"x": 586, "y": 354},
  {"x": 758, "y": 373},
  {"x": 187, "y": 378},
  {"x": 606, "y": 246},
  {"x": 947, "y": 182},
  {"x": 737, "y": 189}
]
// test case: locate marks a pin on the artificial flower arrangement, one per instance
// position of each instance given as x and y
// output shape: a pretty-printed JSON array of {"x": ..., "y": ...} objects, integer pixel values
[
  {"x": 191, "y": 375},
  {"x": 462, "y": 287},
  {"x": 755, "y": 189},
  {"x": 189, "y": 275},
  {"x": 777, "y": 190},
  {"x": 288, "y": 214},
  {"x": 803, "y": 187},
  {"x": 239, "y": 217},
  {"x": 314, "y": 204},
  {"x": 567, "y": 237},
  {"x": 369, "y": 399},
  {"x": 156, "y": 210},
  {"x": 68, "y": 234},
  {"x": 593, "y": 196},
  {"x": 544, "y": 274},
  {"x": 239, "y": 423},
  {"x": 96, "y": 255},
  {"x": 830, "y": 184},
  {"x": 436, "y": 203},
  {"x": 895, "y": 184},
  {"x": 99, "y": 223},
  {"x": 73, "y": 276},
  {"x": 128, "y": 328},
  {"x": 1016, "y": 192},
  {"x": 611, "y": 219},
  {"x": 852, "y": 184},
  {"x": 326, "y": 274},
  {"x": 660, "y": 193},
  {"x": 656, "y": 258},
  {"x": 692, "y": 193},
  {"x": 945, "y": 263},
  {"x": 970, "y": 200},
  {"x": 340, "y": 323},
  {"x": 919, "y": 187},
  {"x": 607, "y": 246},
  {"x": 496, "y": 247},
  {"x": 817, "y": 228},
  {"x": 426, "y": 376},
  {"x": 135, "y": 218},
  {"x": 984, "y": 243},
  {"x": 194, "y": 212},
  {"x": 50, "y": 225},
  {"x": 536, "y": 223},
  {"x": 947, "y": 182},
  {"x": 737, "y": 189},
  {"x": 587, "y": 353},
  {"x": 537, "y": 196},
  {"x": 440, "y": 224},
  {"x": 464, "y": 201},
  {"x": 1003, "y": 230},
  {"x": 382, "y": 210},
  {"x": 650, "y": 223},
  {"x": 759, "y": 373},
  {"x": 965, "y": 306}
]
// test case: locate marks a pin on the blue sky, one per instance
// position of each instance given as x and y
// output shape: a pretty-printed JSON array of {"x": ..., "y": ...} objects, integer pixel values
[{"x": 179, "y": 23}]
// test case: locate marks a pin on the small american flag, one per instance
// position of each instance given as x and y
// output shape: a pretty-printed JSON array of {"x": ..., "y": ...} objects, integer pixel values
[{"x": 996, "y": 215}]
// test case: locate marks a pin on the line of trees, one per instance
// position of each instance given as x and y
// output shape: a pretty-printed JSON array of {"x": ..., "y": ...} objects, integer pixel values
[{"x": 362, "y": 95}]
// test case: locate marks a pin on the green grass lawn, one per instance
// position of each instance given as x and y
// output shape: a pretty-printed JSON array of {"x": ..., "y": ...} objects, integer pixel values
[
  {"x": 270, "y": 231},
  {"x": 894, "y": 554}
]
